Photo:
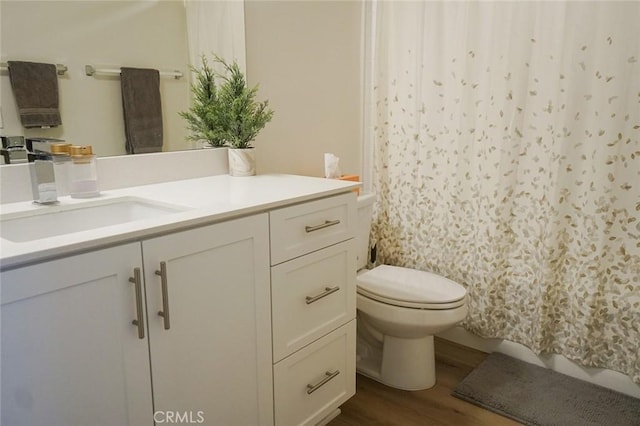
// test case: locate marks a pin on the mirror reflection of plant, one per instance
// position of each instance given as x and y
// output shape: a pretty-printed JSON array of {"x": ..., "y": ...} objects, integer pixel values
[
  {"x": 240, "y": 115},
  {"x": 202, "y": 117}
]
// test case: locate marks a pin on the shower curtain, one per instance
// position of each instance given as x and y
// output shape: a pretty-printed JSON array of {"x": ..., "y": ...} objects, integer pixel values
[
  {"x": 505, "y": 152},
  {"x": 216, "y": 26}
]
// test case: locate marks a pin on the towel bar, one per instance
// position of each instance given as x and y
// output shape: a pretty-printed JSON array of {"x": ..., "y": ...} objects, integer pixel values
[
  {"x": 60, "y": 68},
  {"x": 91, "y": 70}
]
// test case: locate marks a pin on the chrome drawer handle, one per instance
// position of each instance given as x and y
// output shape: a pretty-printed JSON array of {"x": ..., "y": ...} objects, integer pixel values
[
  {"x": 327, "y": 376},
  {"x": 139, "y": 321},
  {"x": 327, "y": 291},
  {"x": 326, "y": 224},
  {"x": 164, "y": 313}
]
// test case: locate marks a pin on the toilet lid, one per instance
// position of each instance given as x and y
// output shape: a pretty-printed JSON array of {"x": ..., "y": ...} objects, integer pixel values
[{"x": 411, "y": 288}]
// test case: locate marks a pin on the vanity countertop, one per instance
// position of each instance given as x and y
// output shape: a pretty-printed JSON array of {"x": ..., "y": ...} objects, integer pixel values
[{"x": 205, "y": 200}]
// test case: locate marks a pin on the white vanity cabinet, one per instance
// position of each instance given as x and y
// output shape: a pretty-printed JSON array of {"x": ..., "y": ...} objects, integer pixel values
[
  {"x": 71, "y": 354},
  {"x": 314, "y": 308},
  {"x": 238, "y": 310}
]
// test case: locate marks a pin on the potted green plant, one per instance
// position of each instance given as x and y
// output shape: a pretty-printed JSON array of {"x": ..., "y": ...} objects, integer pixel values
[
  {"x": 240, "y": 118},
  {"x": 202, "y": 117}
]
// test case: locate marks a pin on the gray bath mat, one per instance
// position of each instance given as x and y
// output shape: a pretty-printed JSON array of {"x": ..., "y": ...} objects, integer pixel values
[{"x": 535, "y": 395}]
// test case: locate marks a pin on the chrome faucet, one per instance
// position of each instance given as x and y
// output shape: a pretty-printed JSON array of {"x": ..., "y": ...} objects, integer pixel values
[
  {"x": 43, "y": 181},
  {"x": 13, "y": 149}
]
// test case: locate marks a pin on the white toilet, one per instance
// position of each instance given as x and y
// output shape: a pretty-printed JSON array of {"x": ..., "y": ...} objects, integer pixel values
[{"x": 399, "y": 311}]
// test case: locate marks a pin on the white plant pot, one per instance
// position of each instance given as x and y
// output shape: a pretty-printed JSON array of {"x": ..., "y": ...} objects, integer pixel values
[{"x": 242, "y": 162}]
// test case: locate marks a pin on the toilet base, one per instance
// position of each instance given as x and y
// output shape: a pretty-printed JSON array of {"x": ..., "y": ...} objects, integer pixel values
[{"x": 407, "y": 364}]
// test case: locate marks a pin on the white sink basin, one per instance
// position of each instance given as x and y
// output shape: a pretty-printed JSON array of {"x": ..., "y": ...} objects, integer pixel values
[{"x": 51, "y": 221}]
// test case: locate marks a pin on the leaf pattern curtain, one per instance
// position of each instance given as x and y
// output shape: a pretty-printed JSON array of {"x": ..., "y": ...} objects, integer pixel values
[{"x": 506, "y": 157}]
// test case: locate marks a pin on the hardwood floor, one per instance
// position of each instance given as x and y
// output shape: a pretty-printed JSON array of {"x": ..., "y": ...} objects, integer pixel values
[{"x": 376, "y": 404}]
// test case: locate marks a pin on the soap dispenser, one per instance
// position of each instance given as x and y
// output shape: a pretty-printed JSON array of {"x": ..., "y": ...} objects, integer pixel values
[
  {"x": 43, "y": 182},
  {"x": 61, "y": 155},
  {"x": 83, "y": 182}
]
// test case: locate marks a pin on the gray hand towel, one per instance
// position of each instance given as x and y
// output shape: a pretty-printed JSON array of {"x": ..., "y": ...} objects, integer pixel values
[
  {"x": 35, "y": 87},
  {"x": 142, "y": 109}
]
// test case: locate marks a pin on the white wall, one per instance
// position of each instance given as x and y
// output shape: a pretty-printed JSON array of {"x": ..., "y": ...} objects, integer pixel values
[
  {"x": 306, "y": 57},
  {"x": 145, "y": 34}
]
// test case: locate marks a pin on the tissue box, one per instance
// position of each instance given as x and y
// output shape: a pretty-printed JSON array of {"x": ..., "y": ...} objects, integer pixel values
[{"x": 354, "y": 178}]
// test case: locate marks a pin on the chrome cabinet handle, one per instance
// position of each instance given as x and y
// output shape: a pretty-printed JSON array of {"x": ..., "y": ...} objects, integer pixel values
[
  {"x": 327, "y": 376},
  {"x": 139, "y": 321},
  {"x": 327, "y": 291},
  {"x": 164, "y": 313},
  {"x": 326, "y": 224}
]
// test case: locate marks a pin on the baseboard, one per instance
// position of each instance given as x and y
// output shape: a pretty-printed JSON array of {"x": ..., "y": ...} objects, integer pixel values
[{"x": 599, "y": 376}]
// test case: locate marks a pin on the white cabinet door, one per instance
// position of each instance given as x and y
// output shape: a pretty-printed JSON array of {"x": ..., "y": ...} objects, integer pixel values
[
  {"x": 70, "y": 353},
  {"x": 212, "y": 359}
]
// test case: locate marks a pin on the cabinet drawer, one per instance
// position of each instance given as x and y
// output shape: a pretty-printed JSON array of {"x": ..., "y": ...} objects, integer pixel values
[
  {"x": 313, "y": 382},
  {"x": 303, "y": 228},
  {"x": 312, "y": 295}
]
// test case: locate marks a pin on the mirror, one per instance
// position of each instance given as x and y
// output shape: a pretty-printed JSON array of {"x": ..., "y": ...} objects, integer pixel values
[{"x": 105, "y": 34}]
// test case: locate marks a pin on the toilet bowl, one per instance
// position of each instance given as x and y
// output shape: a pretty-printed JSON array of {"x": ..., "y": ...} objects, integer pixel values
[{"x": 399, "y": 311}]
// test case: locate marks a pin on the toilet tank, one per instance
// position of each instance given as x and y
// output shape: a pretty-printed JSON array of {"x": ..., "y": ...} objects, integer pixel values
[{"x": 365, "y": 212}]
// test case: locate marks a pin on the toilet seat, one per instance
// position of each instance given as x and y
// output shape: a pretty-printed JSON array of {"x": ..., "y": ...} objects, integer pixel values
[{"x": 410, "y": 288}]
